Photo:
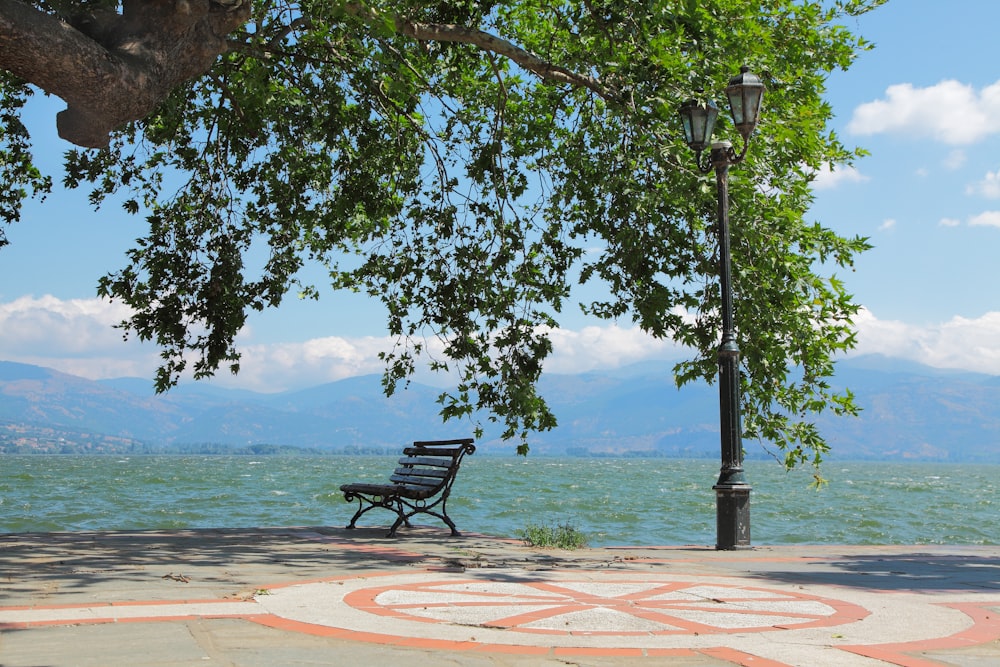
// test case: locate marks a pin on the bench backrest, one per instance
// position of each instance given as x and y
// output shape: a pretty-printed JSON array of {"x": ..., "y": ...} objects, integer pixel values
[{"x": 429, "y": 466}]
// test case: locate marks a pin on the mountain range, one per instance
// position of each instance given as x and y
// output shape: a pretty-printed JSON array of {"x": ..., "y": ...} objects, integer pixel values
[{"x": 909, "y": 412}]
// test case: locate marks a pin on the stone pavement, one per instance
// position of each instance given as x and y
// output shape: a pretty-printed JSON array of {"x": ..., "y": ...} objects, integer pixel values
[{"x": 328, "y": 596}]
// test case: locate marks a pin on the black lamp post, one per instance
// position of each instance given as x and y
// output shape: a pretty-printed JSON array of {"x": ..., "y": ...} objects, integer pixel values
[{"x": 732, "y": 492}]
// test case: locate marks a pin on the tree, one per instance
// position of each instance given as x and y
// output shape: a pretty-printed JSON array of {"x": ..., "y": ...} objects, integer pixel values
[{"x": 465, "y": 162}]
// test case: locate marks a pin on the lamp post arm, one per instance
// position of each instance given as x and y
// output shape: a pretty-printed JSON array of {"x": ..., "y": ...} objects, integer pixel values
[
  {"x": 719, "y": 153},
  {"x": 706, "y": 166},
  {"x": 723, "y": 152},
  {"x": 734, "y": 157}
]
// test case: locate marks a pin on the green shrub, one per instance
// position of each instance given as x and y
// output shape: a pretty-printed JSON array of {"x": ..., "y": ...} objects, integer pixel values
[{"x": 563, "y": 536}]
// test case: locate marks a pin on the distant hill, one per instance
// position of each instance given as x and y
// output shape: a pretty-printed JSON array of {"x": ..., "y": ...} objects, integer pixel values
[{"x": 911, "y": 412}]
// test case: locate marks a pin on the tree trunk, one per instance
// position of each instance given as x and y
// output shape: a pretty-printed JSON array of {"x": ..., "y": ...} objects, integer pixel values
[{"x": 111, "y": 68}]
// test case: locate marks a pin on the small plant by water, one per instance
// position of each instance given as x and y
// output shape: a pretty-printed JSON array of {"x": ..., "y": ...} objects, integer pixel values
[{"x": 562, "y": 536}]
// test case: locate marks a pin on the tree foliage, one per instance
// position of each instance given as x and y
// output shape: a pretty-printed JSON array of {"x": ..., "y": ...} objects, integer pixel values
[{"x": 467, "y": 163}]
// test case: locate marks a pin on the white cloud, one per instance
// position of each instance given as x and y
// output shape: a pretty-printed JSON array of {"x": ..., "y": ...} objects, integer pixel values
[
  {"x": 988, "y": 187},
  {"x": 887, "y": 224},
  {"x": 76, "y": 337},
  {"x": 831, "y": 176},
  {"x": 280, "y": 366},
  {"x": 274, "y": 367},
  {"x": 986, "y": 219},
  {"x": 950, "y": 112},
  {"x": 604, "y": 347},
  {"x": 955, "y": 159},
  {"x": 960, "y": 343}
]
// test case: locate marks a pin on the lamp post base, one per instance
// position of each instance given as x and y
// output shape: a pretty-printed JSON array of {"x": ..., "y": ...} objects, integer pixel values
[{"x": 732, "y": 511}]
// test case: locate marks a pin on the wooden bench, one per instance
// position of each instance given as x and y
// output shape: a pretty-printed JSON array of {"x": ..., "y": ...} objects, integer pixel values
[{"x": 426, "y": 471}]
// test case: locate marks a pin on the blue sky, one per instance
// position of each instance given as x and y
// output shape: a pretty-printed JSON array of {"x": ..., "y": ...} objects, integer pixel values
[{"x": 925, "y": 103}]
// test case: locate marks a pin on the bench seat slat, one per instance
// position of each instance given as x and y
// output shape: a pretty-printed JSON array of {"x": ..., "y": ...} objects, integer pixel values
[
  {"x": 444, "y": 451},
  {"x": 416, "y": 479},
  {"x": 426, "y": 461},
  {"x": 409, "y": 464},
  {"x": 423, "y": 472},
  {"x": 417, "y": 492},
  {"x": 370, "y": 489},
  {"x": 440, "y": 443},
  {"x": 410, "y": 491}
]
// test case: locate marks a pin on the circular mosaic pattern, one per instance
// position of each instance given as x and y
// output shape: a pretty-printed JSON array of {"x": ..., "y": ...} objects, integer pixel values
[{"x": 599, "y": 608}]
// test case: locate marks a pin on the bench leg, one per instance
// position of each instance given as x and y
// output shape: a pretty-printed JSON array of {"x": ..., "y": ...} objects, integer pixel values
[
  {"x": 403, "y": 509},
  {"x": 357, "y": 515},
  {"x": 395, "y": 525},
  {"x": 444, "y": 516},
  {"x": 373, "y": 502},
  {"x": 404, "y": 517},
  {"x": 447, "y": 520}
]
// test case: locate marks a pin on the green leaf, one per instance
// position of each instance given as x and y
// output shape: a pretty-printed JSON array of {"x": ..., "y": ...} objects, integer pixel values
[{"x": 469, "y": 164}]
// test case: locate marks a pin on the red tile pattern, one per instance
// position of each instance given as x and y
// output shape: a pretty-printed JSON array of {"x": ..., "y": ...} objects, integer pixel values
[{"x": 611, "y": 609}]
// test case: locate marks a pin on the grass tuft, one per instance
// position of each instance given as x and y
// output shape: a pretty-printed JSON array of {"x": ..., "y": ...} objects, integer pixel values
[{"x": 563, "y": 536}]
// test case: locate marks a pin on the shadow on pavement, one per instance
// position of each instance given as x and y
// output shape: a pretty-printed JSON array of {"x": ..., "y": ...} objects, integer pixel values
[
  {"x": 43, "y": 567},
  {"x": 916, "y": 571}
]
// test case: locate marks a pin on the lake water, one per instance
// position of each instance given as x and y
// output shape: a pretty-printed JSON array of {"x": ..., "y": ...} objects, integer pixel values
[{"x": 613, "y": 501}]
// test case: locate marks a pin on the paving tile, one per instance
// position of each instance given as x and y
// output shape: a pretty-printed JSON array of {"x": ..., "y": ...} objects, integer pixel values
[{"x": 296, "y": 596}]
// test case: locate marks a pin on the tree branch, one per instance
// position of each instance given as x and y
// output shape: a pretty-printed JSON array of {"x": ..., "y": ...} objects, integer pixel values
[
  {"x": 112, "y": 69},
  {"x": 501, "y": 47},
  {"x": 115, "y": 68},
  {"x": 443, "y": 32}
]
